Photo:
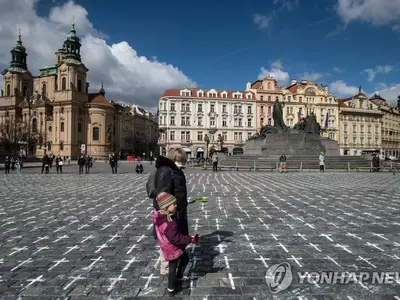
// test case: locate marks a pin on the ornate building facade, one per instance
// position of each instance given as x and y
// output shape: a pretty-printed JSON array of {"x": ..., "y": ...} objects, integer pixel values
[
  {"x": 55, "y": 107},
  {"x": 301, "y": 99},
  {"x": 199, "y": 120}
]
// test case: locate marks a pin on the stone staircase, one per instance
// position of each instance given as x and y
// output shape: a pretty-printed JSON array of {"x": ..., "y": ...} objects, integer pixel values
[{"x": 294, "y": 162}]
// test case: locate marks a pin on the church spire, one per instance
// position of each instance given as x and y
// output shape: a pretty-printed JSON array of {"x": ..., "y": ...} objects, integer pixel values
[
  {"x": 102, "y": 91},
  {"x": 18, "y": 54},
  {"x": 72, "y": 45}
]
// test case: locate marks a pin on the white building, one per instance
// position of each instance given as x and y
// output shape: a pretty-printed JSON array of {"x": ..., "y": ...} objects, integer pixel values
[{"x": 187, "y": 116}]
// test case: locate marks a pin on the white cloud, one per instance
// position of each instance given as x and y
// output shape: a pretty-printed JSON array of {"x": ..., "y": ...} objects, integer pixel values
[
  {"x": 339, "y": 70},
  {"x": 340, "y": 89},
  {"x": 396, "y": 28},
  {"x": 127, "y": 76},
  {"x": 311, "y": 76},
  {"x": 287, "y": 4},
  {"x": 377, "y": 12},
  {"x": 261, "y": 21},
  {"x": 276, "y": 71},
  {"x": 379, "y": 69},
  {"x": 390, "y": 93}
]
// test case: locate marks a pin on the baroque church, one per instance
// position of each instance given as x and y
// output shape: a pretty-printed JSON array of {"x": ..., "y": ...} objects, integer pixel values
[{"x": 61, "y": 116}]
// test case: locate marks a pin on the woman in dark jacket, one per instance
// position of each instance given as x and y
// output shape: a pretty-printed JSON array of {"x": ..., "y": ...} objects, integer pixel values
[{"x": 171, "y": 179}]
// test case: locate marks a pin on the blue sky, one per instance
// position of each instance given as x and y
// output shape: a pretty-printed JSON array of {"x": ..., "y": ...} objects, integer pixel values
[{"x": 223, "y": 44}]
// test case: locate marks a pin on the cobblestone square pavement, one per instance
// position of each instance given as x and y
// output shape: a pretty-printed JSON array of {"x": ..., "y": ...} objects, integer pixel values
[{"x": 90, "y": 236}]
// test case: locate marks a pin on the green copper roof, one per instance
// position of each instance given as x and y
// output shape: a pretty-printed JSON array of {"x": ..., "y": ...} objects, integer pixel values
[
  {"x": 14, "y": 70},
  {"x": 48, "y": 70}
]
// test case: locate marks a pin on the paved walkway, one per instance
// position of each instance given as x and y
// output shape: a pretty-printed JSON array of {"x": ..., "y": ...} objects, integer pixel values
[{"x": 90, "y": 236}]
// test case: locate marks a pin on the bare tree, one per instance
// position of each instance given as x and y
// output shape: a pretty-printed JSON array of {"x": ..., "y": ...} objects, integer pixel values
[{"x": 11, "y": 134}]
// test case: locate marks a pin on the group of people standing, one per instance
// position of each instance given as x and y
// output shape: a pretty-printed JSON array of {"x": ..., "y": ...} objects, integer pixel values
[
  {"x": 85, "y": 161},
  {"x": 13, "y": 163},
  {"x": 48, "y": 160}
]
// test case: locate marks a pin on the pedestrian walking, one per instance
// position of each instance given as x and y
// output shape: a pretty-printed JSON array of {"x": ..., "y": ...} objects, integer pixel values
[
  {"x": 59, "y": 164},
  {"x": 114, "y": 163},
  {"x": 282, "y": 161},
  {"x": 172, "y": 241},
  {"x": 322, "y": 162},
  {"x": 81, "y": 164},
  {"x": 7, "y": 165},
  {"x": 214, "y": 159}
]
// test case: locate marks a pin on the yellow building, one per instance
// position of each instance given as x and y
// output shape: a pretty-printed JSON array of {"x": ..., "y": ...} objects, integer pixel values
[
  {"x": 55, "y": 111},
  {"x": 303, "y": 98}
]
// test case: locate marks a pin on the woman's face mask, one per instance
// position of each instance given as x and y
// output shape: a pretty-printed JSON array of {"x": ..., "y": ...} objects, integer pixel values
[{"x": 179, "y": 165}]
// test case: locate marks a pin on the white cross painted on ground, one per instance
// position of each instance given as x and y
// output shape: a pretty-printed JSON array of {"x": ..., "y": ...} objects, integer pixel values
[
  {"x": 227, "y": 262},
  {"x": 17, "y": 250},
  {"x": 374, "y": 246},
  {"x": 60, "y": 238},
  {"x": 366, "y": 260},
  {"x": 87, "y": 238},
  {"x": 221, "y": 248},
  {"x": 74, "y": 279},
  {"x": 283, "y": 247},
  {"x": 246, "y": 236},
  {"x": 140, "y": 238},
  {"x": 60, "y": 228},
  {"x": 353, "y": 235},
  {"x": 41, "y": 239},
  {"x": 57, "y": 262},
  {"x": 315, "y": 247},
  {"x": 131, "y": 248},
  {"x": 296, "y": 259},
  {"x": 113, "y": 237},
  {"x": 126, "y": 226},
  {"x": 332, "y": 260},
  {"x": 101, "y": 247},
  {"x": 71, "y": 249},
  {"x": 149, "y": 226},
  {"x": 302, "y": 236},
  {"x": 252, "y": 247},
  {"x": 114, "y": 282},
  {"x": 149, "y": 278},
  {"x": 32, "y": 281},
  {"x": 263, "y": 260},
  {"x": 28, "y": 261},
  {"x": 83, "y": 226},
  {"x": 95, "y": 261},
  {"x": 129, "y": 262},
  {"x": 333, "y": 224},
  {"x": 216, "y": 223},
  {"x": 326, "y": 236},
  {"x": 275, "y": 236},
  {"x": 344, "y": 247},
  {"x": 231, "y": 278},
  {"x": 105, "y": 227},
  {"x": 40, "y": 249},
  {"x": 310, "y": 225},
  {"x": 380, "y": 235}
]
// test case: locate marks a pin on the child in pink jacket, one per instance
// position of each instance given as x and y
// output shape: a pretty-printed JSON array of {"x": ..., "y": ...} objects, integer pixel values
[{"x": 172, "y": 242}]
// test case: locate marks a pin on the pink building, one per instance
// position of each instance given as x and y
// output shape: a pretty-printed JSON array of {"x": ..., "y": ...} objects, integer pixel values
[{"x": 266, "y": 91}]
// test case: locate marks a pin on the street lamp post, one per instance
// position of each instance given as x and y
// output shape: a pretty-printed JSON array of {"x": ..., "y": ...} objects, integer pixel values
[{"x": 207, "y": 142}]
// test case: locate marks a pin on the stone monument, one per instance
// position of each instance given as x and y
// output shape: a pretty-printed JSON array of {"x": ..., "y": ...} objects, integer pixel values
[{"x": 303, "y": 139}]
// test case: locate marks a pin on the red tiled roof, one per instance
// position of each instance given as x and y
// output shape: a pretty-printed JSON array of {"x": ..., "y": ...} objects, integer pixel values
[
  {"x": 342, "y": 103},
  {"x": 257, "y": 84},
  {"x": 293, "y": 88},
  {"x": 177, "y": 93},
  {"x": 99, "y": 99}
]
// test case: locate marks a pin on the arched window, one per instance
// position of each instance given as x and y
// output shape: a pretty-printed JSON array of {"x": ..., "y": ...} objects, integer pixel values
[
  {"x": 64, "y": 83},
  {"x": 96, "y": 134},
  {"x": 8, "y": 90},
  {"x": 79, "y": 85},
  {"x": 25, "y": 92},
  {"x": 44, "y": 89},
  {"x": 62, "y": 127},
  {"x": 62, "y": 146},
  {"x": 34, "y": 125}
]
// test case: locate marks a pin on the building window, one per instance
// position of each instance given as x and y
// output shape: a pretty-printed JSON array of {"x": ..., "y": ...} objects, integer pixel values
[
  {"x": 79, "y": 85},
  {"x": 300, "y": 99},
  {"x": 269, "y": 121},
  {"x": 79, "y": 127},
  {"x": 248, "y": 96},
  {"x": 200, "y": 135},
  {"x": 261, "y": 97},
  {"x": 62, "y": 127},
  {"x": 172, "y": 135},
  {"x": 34, "y": 125},
  {"x": 269, "y": 98},
  {"x": 289, "y": 98},
  {"x": 50, "y": 128},
  {"x": 63, "y": 83},
  {"x": 212, "y": 108},
  {"x": 249, "y": 109},
  {"x": 262, "y": 121},
  {"x": 225, "y": 135},
  {"x": 172, "y": 120},
  {"x": 212, "y": 122},
  {"x": 95, "y": 133},
  {"x": 200, "y": 121},
  {"x": 262, "y": 109},
  {"x": 199, "y": 107},
  {"x": 8, "y": 90},
  {"x": 249, "y": 135},
  {"x": 44, "y": 89},
  {"x": 224, "y": 124},
  {"x": 248, "y": 122},
  {"x": 224, "y": 108},
  {"x": 61, "y": 146},
  {"x": 172, "y": 106},
  {"x": 25, "y": 91},
  {"x": 224, "y": 95}
]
